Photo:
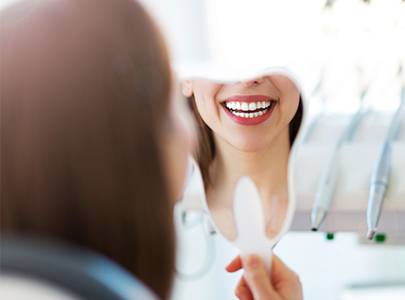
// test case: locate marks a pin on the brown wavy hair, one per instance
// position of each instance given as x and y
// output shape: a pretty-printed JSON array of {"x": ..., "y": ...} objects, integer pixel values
[
  {"x": 85, "y": 91},
  {"x": 206, "y": 151}
]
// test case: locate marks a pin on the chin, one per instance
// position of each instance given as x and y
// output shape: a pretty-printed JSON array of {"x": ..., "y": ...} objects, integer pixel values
[{"x": 250, "y": 144}]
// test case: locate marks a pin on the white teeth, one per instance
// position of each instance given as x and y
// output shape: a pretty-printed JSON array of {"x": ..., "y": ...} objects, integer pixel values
[
  {"x": 247, "y": 109},
  {"x": 249, "y": 115},
  {"x": 230, "y": 105},
  {"x": 245, "y": 106}
]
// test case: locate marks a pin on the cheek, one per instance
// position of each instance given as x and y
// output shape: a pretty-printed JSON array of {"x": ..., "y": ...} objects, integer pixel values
[
  {"x": 207, "y": 109},
  {"x": 289, "y": 107}
]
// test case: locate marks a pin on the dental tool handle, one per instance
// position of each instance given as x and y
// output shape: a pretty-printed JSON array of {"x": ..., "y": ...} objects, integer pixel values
[
  {"x": 327, "y": 183},
  {"x": 376, "y": 199},
  {"x": 395, "y": 125},
  {"x": 378, "y": 189},
  {"x": 351, "y": 129},
  {"x": 381, "y": 172},
  {"x": 321, "y": 207},
  {"x": 325, "y": 192}
]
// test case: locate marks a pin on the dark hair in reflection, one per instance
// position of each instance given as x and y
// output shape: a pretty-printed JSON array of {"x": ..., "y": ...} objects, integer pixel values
[
  {"x": 206, "y": 145},
  {"x": 85, "y": 91}
]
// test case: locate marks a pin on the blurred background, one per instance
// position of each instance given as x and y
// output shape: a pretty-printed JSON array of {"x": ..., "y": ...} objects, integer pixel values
[{"x": 346, "y": 44}]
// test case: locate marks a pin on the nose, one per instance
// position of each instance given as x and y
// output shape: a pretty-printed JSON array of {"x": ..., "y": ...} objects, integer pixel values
[{"x": 253, "y": 82}]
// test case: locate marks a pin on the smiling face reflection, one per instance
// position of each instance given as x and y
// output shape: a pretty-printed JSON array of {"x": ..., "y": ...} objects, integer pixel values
[
  {"x": 249, "y": 114},
  {"x": 249, "y": 122}
]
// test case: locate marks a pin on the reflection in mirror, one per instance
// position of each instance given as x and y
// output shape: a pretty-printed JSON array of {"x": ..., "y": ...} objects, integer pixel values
[{"x": 246, "y": 128}]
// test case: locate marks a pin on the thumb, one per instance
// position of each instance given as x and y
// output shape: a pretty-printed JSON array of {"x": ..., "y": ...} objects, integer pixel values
[
  {"x": 285, "y": 281},
  {"x": 258, "y": 279}
]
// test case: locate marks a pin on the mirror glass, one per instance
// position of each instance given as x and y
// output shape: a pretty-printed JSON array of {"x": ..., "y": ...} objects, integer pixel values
[{"x": 245, "y": 128}]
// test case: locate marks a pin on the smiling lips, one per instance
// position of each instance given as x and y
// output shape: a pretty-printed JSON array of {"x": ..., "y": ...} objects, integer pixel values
[{"x": 249, "y": 110}]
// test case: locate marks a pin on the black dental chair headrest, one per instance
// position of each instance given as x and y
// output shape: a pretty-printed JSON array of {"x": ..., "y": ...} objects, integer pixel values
[{"x": 77, "y": 271}]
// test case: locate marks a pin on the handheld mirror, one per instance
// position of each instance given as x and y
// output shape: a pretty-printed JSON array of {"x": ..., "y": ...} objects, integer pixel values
[{"x": 246, "y": 132}]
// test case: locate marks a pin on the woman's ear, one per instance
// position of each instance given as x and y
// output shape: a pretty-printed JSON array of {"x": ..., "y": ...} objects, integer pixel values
[{"x": 187, "y": 88}]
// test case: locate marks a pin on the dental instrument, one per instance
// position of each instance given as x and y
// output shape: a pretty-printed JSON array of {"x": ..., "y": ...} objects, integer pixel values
[
  {"x": 382, "y": 170},
  {"x": 327, "y": 182}
]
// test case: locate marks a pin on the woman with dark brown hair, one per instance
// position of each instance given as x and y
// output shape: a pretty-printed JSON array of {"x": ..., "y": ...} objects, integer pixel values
[
  {"x": 86, "y": 105},
  {"x": 246, "y": 128}
]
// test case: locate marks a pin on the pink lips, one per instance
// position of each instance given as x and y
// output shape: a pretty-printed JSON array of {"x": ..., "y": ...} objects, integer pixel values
[{"x": 249, "y": 98}]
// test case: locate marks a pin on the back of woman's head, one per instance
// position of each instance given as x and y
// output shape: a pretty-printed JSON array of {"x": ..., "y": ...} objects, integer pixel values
[{"x": 85, "y": 91}]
